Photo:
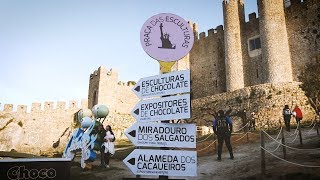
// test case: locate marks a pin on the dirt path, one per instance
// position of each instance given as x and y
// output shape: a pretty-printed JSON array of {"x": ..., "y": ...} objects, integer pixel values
[{"x": 246, "y": 164}]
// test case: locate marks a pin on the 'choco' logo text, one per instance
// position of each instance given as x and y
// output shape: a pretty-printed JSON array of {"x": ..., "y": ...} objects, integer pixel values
[{"x": 21, "y": 172}]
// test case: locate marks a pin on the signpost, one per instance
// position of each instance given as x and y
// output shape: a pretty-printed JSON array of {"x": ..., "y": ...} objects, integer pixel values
[
  {"x": 164, "y": 84},
  {"x": 159, "y": 109},
  {"x": 162, "y": 135},
  {"x": 167, "y": 38},
  {"x": 162, "y": 162}
]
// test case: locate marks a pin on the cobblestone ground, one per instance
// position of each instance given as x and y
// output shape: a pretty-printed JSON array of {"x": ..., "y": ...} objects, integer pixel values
[{"x": 246, "y": 164}]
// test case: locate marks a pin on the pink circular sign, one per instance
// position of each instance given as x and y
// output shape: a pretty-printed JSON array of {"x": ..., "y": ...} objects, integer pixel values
[{"x": 166, "y": 37}]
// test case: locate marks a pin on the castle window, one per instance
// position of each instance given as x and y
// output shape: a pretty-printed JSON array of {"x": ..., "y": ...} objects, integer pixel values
[
  {"x": 254, "y": 44},
  {"x": 287, "y": 3},
  {"x": 95, "y": 99},
  {"x": 257, "y": 71},
  {"x": 216, "y": 83}
]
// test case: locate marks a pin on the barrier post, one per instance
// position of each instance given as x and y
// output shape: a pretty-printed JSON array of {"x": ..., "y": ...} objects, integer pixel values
[
  {"x": 215, "y": 143},
  {"x": 300, "y": 136},
  {"x": 317, "y": 124},
  {"x": 263, "y": 155},
  {"x": 284, "y": 150},
  {"x": 247, "y": 129}
]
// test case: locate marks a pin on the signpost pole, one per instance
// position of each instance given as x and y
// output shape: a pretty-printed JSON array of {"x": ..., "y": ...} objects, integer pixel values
[{"x": 165, "y": 67}]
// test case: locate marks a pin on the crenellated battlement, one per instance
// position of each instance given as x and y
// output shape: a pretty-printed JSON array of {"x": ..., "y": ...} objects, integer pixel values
[
  {"x": 227, "y": 2},
  {"x": 47, "y": 106},
  {"x": 128, "y": 83},
  {"x": 212, "y": 33}
]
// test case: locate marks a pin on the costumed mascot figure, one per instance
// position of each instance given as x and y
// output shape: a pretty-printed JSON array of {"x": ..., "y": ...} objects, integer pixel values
[{"x": 87, "y": 138}]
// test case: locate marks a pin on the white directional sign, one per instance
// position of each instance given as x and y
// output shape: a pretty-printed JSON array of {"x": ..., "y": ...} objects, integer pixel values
[
  {"x": 159, "y": 109},
  {"x": 162, "y": 162},
  {"x": 164, "y": 84},
  {"x": 162, "y": 135}
]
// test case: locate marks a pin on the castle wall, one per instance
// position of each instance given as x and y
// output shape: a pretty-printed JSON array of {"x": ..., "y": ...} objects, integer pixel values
[
  {"x": 266, "y": 100},
  {"x": 46, "y": 129},
  {"x": 303, "y": 26},
  {"x": 207, "y": 64},
  {"x": 36, "y": 131},
  {"x": 125, "y": 98},
  {"x": 255, "y": 72},
  {"x": 290, "y": 38}
]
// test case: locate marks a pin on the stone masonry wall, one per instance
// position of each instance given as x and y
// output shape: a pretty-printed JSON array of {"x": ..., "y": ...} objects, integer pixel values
[
  {"x": 36, "y": 131},
  {"x": 47, "y": 125},
  {"x": 267, "y": 101},
  {"x": 302, "y": 21},
  {"x": 207, "y": 64},
  {"x": 303, "y": 25}
]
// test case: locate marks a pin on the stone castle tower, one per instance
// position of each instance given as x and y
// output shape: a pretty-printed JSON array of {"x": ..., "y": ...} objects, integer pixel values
[
  {"x": 233, "y": 18},
  {"x": 105, "y": 88},
  {"x": 273, "y": 48}
]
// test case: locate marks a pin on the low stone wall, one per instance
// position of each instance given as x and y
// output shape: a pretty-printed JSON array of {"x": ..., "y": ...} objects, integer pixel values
[
  {"x": 266, "y": 101},
  {"x": 47, "y": 133}
]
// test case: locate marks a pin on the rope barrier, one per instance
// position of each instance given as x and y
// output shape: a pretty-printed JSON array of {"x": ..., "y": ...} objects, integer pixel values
[
  {"x": 207, "y": 146},
  {"x": 241, "y": 137},
  {"x": 205, "y": 138},
  {"x": 277, "y": 141},
  {"x": 294, "y": 138},
  {"x": 289, "y": 146},
  {"x": 295, "y": 131},
  {"x": 279, "y": 133},
  {"x": 254, "y": 133},
  {"x": 216, "y": 140},
  {"x": 310, "y": 124},
  {"x": 311, "y": 128},
  {"x": 276, "y": 147},
  {"x": 309, "y": 166},
  {"x": 242, "y": 128},
  {"x": 235, "y": 133}
]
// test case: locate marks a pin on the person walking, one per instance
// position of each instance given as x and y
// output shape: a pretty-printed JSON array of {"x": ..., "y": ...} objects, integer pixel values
[
  {"x": 298, "y": 114},
  {"x": 252, "y": 122},
  {"x": 222, "y": 127},
  {"x": 101, "y": 133},
  {"x": 286, "y": 112},
  {"x": 108, "y": 146}
]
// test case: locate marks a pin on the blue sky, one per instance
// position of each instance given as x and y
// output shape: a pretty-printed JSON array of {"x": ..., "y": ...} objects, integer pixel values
[{"x": 48, "y": 48}]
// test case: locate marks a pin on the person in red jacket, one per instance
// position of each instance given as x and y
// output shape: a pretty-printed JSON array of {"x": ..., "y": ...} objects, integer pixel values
[{"x": 298, "y": 114}]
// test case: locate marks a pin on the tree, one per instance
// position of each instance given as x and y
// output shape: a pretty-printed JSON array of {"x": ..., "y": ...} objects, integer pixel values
[{"x": 310, "y": 78}]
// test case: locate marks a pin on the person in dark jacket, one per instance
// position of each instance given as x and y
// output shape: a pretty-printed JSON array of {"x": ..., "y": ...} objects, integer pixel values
[
  {"x": 101, "y": 133},
  {"x": 286, "y": 112},
  {"x": 222, "y": 127}
]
